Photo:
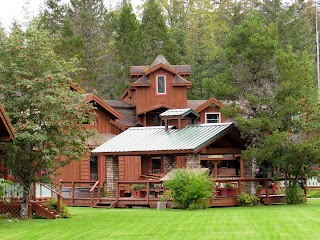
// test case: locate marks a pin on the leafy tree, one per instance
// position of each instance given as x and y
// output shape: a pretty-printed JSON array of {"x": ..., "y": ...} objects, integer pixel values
[
  {"x": 189, "y": 188},
  {"x": 44, "y": 112},
  {"x": 4, "y": 184}
]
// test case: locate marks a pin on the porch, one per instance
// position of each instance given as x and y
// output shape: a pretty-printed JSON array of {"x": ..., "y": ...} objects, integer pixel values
[{"x": 224, "y": 194}]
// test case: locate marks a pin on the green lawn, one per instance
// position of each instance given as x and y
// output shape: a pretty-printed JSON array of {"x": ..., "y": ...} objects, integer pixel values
[{"x": 263, "y": 222}]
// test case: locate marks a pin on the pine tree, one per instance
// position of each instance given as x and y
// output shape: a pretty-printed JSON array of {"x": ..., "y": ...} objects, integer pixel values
[{"x": 153, "y": 33}]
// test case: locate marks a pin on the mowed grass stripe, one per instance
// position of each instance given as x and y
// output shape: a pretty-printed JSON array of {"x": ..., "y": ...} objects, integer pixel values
[{"x": 263, "y": 222}]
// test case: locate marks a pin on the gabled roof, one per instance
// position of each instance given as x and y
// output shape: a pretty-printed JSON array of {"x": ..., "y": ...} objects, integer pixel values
[
  {"x": 195, "y": 103},
  {"x": 207, "y": 103},
  {"x": 179, "y": 113},
  {"x": 184, "y": 70},
  {"x": 6, "y": 129},
  {"x": 161, "y": 62},
  {"x": 89, "y": 97},
  {"x": 157, "y": 140}
]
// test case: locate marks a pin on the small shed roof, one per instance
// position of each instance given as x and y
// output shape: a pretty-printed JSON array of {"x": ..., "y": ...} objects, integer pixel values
[{"x": 157, "y": 140}]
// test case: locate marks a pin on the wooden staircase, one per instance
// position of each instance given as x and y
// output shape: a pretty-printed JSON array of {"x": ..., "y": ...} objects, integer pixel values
[
  {"x": 43, "y": 210},
  {"x": 105, "y": 204}
]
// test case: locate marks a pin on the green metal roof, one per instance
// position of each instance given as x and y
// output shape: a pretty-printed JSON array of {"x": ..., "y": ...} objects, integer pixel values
[
  {"x": 179, "y": 112},
  {"x": 150, "y": 140}
]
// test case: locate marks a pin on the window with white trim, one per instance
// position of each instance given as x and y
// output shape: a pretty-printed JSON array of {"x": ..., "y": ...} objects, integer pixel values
[
  {"x": 161, "y": 84},
  {"x": 213, "y": 118}
]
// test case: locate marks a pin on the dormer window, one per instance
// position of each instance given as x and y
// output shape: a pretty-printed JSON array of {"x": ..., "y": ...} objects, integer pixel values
[
  {"x": 213, "y": 118},
  {"x": 161, "y": 84}
]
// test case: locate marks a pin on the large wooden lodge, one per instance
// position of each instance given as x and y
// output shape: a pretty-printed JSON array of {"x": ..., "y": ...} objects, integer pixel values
[{"x": 151, "y": 130}]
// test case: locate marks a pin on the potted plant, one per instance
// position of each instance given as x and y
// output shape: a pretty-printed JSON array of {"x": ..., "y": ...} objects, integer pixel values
[
  {"x": 136, "y": 189},
  {"x": 258, "y": 190}
]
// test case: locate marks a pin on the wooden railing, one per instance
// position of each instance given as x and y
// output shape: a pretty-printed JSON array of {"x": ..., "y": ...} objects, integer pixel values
[
  {"x": 89, "y": 185},
  {"x": 145, "y": 182},
  {"x": 97, "y": 184},
  {"x": 59, "y": 196}
]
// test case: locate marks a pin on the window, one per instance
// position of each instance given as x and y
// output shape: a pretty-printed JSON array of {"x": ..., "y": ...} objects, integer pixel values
[
  {"x": 156, "y": 165},
  {"x": 161, "y": 85},
  {"x": 213, "y": 118}
]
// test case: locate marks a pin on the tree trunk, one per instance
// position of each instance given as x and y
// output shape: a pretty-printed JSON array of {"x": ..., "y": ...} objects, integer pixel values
[{"x": 25, "y": 204}]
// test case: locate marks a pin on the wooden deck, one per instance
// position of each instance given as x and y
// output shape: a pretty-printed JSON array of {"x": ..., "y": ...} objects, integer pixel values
[
  {"x": 131, "y": 202},
  {"x": 91, "y": 196}
]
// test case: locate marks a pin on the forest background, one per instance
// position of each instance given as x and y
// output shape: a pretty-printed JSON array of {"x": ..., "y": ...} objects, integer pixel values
[{"x": 194, "y": 32}]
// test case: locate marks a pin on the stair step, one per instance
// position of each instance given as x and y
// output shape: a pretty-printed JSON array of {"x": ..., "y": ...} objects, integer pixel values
[{"x": 101, "y": 206}]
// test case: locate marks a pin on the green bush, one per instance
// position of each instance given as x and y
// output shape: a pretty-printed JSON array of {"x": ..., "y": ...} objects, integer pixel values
[
  {"x": 293, "y": 194},
  {"x": 313, "y": 193},
  {"x": 248, "y": 200},
  {"x": 138, "y": 186},
  {"x": 53, "y": 204},
  {"x": 189, "y": 189}
]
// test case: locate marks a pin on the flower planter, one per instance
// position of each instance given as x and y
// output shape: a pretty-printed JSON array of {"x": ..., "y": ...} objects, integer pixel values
[
  {"x": 231, "y": 192},
  {"x": 138, "y": 194}
]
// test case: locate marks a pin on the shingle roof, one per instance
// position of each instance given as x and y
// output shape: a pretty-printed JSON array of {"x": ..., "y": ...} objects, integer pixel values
[
  {"x": 160, "y": 59},
  {"x": 152, "y": 140},
  {"x": 126, "y": 110},
  {"x": 195, "y": 103}
]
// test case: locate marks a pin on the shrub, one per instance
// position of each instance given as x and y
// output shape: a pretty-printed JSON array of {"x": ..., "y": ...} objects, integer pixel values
[
  {"x": 293, "y": 194},
  {"x": 53, "y": 204},
  {"x": 189, "y": 188},
  {"x": 138, "y": 186},
  {"x": 248, "y": 200},
  {"x": 313, "y": 193}
]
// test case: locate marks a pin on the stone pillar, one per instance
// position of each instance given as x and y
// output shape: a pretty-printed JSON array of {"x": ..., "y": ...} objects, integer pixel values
[
  {"x": 193, "y": 161},
  {"x": 249, "y": 172},
  {"x": 112, "y": 167},
  {"x": 169, "y": 163}
]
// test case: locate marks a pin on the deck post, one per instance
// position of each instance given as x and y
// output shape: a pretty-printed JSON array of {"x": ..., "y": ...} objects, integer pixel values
[
  {"x": 265, "y": 183},
  {"x": 34, "y": 191},
  {"x": 73, "y": 190},
  {"x": 148, "y": 191},
  {"x": 241, "y": 184}
]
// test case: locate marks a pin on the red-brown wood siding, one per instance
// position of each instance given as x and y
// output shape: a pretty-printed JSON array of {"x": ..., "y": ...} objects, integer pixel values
[
  {"x": 85, "y": 169},
  {"x": 147, "y": 97},
  {"x": 130, "y": 97},
  {"x": 129, "y": 167},
  {"x": 71, "y": 172},
  {"x": 181, "y": 161},
  {"x": 102, "y": 169},
  {"x": 103, "y": 121},
  {"x": 210, "y": 110}
]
